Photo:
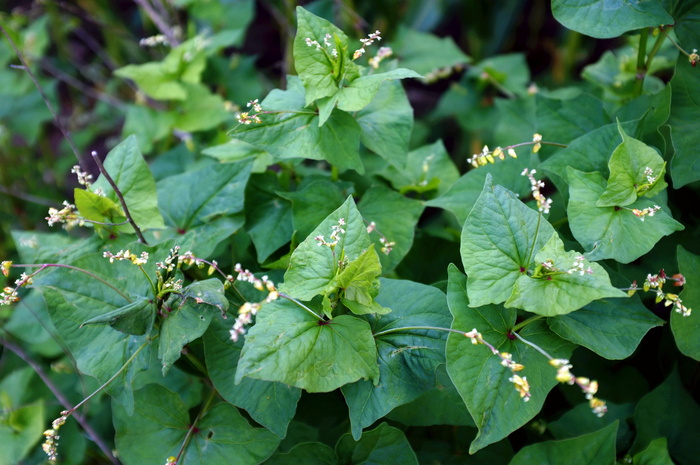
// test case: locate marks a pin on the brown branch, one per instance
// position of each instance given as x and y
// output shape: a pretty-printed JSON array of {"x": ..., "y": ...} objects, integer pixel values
[{"x": 159, "y": 21}]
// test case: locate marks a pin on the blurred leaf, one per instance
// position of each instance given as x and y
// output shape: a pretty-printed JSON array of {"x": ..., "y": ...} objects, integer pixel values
[
  {"x": 686, "y": 329},
  {"x": 384, "y": 445}
]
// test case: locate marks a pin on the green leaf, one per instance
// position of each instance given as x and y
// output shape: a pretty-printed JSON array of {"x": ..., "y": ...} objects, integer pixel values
[
  {"x": 271, "y": 404},
  {"x": 612, "y": 328},
  {"x": 669, "y": 411},
  {"x": 313, "y": 268},
  {"x": 426, "y": 52},
  {"x": 384, "y": 445},
  {"x": 318, "y": 69},
  {"x": 580, "y": 420},
  {"x": 190, "y": 319},
  {"x": 686, "y": 329},
  {"x": 497, "y": 239},
  {"x": 636, "y": 170},
  {"x": 100, "y": 351},
  {"x": 463, "y": 194},
  {"x": 360, "y": 92},
  {"x": 292, "y": 131},
  {"x": 607, "y": 232},
  {"x": 268, "y": 217},
  {"x": 407, "y": 358},
  {"x": 685, "y": 110},
  {"x": 161, "y": 419},
  {"x": 193, "y": 198},
  {"x": 289, "y": 345},
  {"x": 135, "y": 318},
  {"x": 386, "y": 124},
  {"x": 313, "y": 203},
  {"x": 561, "y": 292},
  {"x": 441, "y": 405},
  {"x": 509, "y": 72},
  {"x": 478, "y": 375},
  {"x": 20, "y": 428},
  {"x": 308, "y": 453},
  {"x": 154, "y": 81},
  {"x": 128, "y": 169},
  {"x": 655, "y": 454},
  {"x": 201, "y": 110},
  {"x": 590, "y": 449},
  {"x": 381, "y": 205},
  {"x": 428, "y": 168},
  {"x": 603, "y": 19}
]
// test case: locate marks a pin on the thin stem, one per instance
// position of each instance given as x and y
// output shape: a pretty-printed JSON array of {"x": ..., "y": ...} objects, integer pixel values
[
  {"x": 190, "y": 431},
  {"x": 119, "y": 196},
  {"x": 57, "y": 121},
  {"x": 114, "y": 376},
  {"x": 409, "y": 328},
  {"x": 674, "y": 43},
  {"x": 82, "y": 421},
  {"x": 536, "y": 347},
  {"x": 494, "y": 82},
  {"x": 522, "y": 324},
  {"x": 641, "y": 64},
  {"x": 153, "y": 286},
  {"x": 58, "y": 265},
  {"x": 292, "y": 299}
]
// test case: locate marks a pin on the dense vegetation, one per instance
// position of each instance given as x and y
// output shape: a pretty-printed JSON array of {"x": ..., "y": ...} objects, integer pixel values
[{"x": 349, "y": 232}]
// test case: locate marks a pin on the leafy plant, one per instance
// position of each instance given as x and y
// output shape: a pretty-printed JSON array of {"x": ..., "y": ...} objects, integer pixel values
[{"x": 396, "y": 286}]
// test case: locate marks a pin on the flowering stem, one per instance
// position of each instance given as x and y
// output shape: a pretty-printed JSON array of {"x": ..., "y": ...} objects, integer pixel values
[
  {"x": 82, "y": 421},
  {"x": 292, "y": 299},
  {"x": 534, "y": 346},
  {"x": 153, "y": 286},
  {"x": 58, "y": 265},
  {"x": 408, "y": 328},
  {"x": 193, "y": 426},
  {"x": 674, "y": 42},
  {"x": 111, "y": 182},
  {"x": 522, "y": 324}
]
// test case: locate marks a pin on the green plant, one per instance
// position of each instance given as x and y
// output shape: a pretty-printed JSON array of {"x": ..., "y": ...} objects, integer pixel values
[{"x": 354, "y": 334}]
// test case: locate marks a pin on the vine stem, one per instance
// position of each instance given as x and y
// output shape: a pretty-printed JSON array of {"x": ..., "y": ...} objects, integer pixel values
[
  {"x": 408, "y": 328},
  {"x": 190, "y": 431},
  {"x": 119, "y": 196},
  {"x": 43, "y": 266},
  {"x": 82, "y": 421},
  {"x": 54, "y": 115},
  {"x": 292, "y": 299},
  {"x": 534, "y": 346},
  {"x": 641, "y": 62},
  {"x": 524, "y": 323}
]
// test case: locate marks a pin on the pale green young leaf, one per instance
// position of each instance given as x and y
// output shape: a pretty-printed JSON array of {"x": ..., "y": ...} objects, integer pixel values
[
  {"x": 612, "y": 328},
  {"x": 636, "y": 170},
  {"x": 21, "y": 426},
  {"x": 271, "y": 404},
  {"x": 313, "y": 267},
  {"x": 359, "y": 280},
  {"x": 154, "y": 80},
  {"x": 498, "y": 237},
  {"x": 97, "y": 208},
  {"x": 477, "y": 373},
  {"x": 384, "y": 445},
  {"x": 426, "y": 52},
  {"x": 318, "y": 69},
  {"x": 289, "y": 345},
  {"x": 610, "y": 232},
  {"x": 161, "y": 420},
  {"x": 293, "y": 131},
  {"x": 360, "y": 92},
  {"x": 590, "y": 449},
  {"x": 603, "y": 19},
  {"x": 686, "y": 329},
  {"x": 128, "y": 169},
  {"x": 407, "y": 358},
  {"x": 561, "y": 292}
]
